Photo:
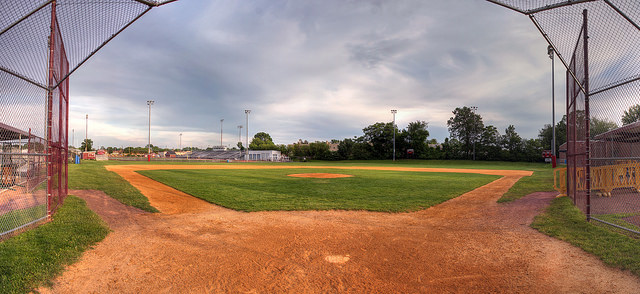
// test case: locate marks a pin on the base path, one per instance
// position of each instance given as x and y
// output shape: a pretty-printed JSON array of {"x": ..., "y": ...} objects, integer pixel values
[{"x": 469, "y": 244}]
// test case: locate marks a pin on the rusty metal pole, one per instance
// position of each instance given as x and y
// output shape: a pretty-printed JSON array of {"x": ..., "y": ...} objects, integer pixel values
[{"x": 587, "y": 115}]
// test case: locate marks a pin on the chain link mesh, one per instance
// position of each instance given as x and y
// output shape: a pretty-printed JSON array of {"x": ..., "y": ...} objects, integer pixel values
[
  {"x": 43, "y": 41},
  {"x": 603, "y": 179}
]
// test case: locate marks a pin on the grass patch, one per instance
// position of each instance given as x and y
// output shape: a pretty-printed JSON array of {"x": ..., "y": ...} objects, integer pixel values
[
  {"x": 564, "y": 221},
  {"x": 32, "y": 258},
  {"x": 258, "y": 190},
  {"x": 91, "y": 175},
  {"x": 19, "y": 217},
  {"x": 618, "y": 219}
]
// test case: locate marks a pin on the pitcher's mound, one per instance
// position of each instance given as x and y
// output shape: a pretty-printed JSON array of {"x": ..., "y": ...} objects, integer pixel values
[{"x": 320, "y": 175}]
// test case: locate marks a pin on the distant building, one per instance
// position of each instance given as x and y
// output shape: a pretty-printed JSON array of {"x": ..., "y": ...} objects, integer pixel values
[{"x": 264, "y": 155}]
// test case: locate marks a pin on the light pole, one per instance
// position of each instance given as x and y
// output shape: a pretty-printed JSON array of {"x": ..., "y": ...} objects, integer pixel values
[
  {"x": 149, "y": 102},
  {"x": 553, "y": 102},
  {"x": 240, "y": 134},
  {"x": 86, "y": 130},
  {"x": 247, "y": 111},
  {"x": 221, "y": 120},
  {"x": 473, "y": 111},
  {"x": 73, "y": 137},
  {"x": 180, "y": 145},
  {"x": 394, "y": 111}
]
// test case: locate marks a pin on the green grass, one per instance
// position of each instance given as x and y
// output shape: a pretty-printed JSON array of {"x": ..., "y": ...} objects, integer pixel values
[
  {"x": 16, "y": 218},
  {"x": 258, "y": 190},
  {"x": 540, "y": 181},
  {"x": 618, "y": 219},
  {"x": 91, "y": 175},
  {"x": 564, "y": 221},
  {"x": 32, "y": 258}
]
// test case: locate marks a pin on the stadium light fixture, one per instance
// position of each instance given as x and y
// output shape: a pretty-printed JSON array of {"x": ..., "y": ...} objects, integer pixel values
[
  {"x": 473, "y": 110},
  {"x": 149, "y": 103},
  {"x": 394, "y": 111}
]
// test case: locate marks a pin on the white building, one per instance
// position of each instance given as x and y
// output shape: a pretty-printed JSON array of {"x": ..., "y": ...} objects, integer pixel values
[{"x": 264, "y": 155}]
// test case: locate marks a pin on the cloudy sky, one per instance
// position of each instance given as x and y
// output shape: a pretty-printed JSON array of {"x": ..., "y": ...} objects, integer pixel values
[{"x": 312, "y": 70}]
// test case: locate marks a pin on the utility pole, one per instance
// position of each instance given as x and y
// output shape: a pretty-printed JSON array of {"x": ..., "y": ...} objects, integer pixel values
[
  {"x": 180, "y": 145},
  {"x": 149, "y": 102},
  {"x": 240, "y": 134},
  {"x": 394, "y": 111}
]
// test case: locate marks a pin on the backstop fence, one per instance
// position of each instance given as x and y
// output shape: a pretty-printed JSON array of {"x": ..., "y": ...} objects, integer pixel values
[
  {"x": 598, "y": 41},
  {"x": 43, "y": 43}
]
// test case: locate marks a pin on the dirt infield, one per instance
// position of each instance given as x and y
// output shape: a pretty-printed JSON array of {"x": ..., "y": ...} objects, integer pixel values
[
  {"x": 469, "y": 244},
  {"x": 320, "y": 176}
]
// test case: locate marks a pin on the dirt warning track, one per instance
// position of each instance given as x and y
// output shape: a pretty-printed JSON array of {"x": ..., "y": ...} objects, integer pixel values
[{"x": 469, "y": 244}]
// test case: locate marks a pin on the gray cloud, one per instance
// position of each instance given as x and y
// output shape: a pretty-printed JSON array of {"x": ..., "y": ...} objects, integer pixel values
[{"x": 313, "y": 70}]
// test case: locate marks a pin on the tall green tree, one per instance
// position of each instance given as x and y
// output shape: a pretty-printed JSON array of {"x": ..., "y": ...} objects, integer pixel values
[
  {"x": 546, "y": 134},
  {"x": 489, "y": 144},
  {"x": 631, "y": 115},
  {"x": 415, "y": 137},
  {"x": 380, "y": 135},
  {"x": 465, "y": 126},
  {"x": 599, "y": 126},
  {"x": 88, "y": 143},
  {"x": 262, "y": 141},
  {"x": 512, "y": 144}
]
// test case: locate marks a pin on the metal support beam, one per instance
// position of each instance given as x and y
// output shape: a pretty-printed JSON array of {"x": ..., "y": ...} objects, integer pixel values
[
  {"x": 564, "y": 62},
  {"x": 100, "y": 47},
  {"x": 25, "y": 17}
]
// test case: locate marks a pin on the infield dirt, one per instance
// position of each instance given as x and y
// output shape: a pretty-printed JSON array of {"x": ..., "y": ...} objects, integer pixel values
[{"x": 469, "y": 244}]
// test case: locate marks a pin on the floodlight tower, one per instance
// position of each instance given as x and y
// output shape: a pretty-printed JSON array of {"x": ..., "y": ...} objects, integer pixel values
[
  {"x": 149, "y": 103},
  {"x": 246, "y": 112},
  {"x": 553, "y": 102},
  {"x": 180, "y": 145},
  {"x": 394, "y": 111},
  {"x": 221, "y": 120},
  {"x": 240, "y": 134},
  {"x": 473, "y": 111}
]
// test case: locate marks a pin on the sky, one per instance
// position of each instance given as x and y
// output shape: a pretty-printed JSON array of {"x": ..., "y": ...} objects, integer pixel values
[{"x": 314, "y": 70}]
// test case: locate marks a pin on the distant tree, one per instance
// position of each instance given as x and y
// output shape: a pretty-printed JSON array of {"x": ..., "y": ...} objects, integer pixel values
[
  {"x": 631, "y": 115},
  {"x": 546, "y": 134},
  {"x": 599, "y": 126},
  {"x": 345, "y": 149},
  {"x": 262, "y": 141},
  {"x": 240, "y": 146},
  {"x": 87, "y": 144},
  {"x": 465, "y": 126},
  {"x": 380, "y": 135},
  {"x": 511, "y": 143},
  {"x": 415, "y": 136},
  {"x": 489, "y": 144},
  {"x": 531, "y": 150}
]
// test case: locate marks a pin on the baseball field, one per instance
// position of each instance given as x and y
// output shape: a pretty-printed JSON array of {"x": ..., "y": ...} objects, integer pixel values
[{"x": 326, "y": 227}]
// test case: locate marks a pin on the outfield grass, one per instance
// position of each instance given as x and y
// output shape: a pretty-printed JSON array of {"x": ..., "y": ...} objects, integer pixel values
[
  {"x": 272, "y": 189},
  {"x": 30, "y": 259},
  {"x": 91, "y": 175},
  {"x": 540, "y": 181},
  {"x": 564, "y": 221}
]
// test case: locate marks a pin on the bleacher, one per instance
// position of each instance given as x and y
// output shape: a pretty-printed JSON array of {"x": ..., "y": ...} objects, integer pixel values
[{"x": 215, "y": 154}]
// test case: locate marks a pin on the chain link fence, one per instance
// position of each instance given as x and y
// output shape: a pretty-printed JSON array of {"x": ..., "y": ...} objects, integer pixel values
[
  {"x": 599, "y": 43},
  {"x": 43, "y": 43}
]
